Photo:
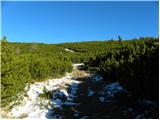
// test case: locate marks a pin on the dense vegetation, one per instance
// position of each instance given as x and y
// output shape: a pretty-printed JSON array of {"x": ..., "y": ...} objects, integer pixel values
[
  {"x": 134, "y": 63},
  {"x": 25, "y": 63},
  {"x": 14, "y": 74}
]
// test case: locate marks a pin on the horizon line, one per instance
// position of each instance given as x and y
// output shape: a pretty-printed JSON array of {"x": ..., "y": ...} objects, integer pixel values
[{"x": 135, "y": 38}]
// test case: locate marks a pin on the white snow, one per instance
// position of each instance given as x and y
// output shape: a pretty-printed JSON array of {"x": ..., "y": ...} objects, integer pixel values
[
  {"x": 69, "y": 99},
  {"x": 112, "y": 89},
  {"x": 34, "y": 107},
  {"x": 73, "y": 88},
  {"x": 75, "y": 66},
  {"x": 98, "y": 78},
  {"x": 70, "y": 103},
  {"x": 69, "y": 50},
  {"x": 90, "y": 92},
  {"x": 57, "y": 102}
]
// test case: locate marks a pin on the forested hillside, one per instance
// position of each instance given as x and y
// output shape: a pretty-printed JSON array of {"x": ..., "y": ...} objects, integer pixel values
[{"x": 132, "y": 63}]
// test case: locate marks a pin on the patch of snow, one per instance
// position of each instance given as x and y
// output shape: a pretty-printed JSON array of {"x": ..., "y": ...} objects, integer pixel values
[
  {"x": 69, "y": 50},
  {"x": 70, "y": 99},
  {"x": 35, "y": 107},
  {"x": 70, "y": 103},
  {"x": 48, "y": 115},
  {"x": 58, "y": 102},
  {"x": 98, "y": 78},
  {"x": 74, "y": 88},
  {"x": 109, "y": 91},
  {"x": 90, "y": 93},
  {"x": 112, "y": 89},
  {"x": 72, "y": 96},
  {"x": 75, "y": 66},
  {"x": 61, "y": 94}
]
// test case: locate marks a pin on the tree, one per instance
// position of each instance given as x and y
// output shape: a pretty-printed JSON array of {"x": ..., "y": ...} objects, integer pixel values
[
  {"x": 119, "y": 40},
  {"x": 4, "y": 39}
]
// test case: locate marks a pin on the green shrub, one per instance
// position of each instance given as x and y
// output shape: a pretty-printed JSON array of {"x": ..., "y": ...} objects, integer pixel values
[
  {"x": 14, "y": 74},
  {"x": 134, "y": 64}
]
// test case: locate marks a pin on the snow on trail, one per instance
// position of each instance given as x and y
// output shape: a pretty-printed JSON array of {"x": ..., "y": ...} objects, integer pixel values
[
  {"x": 34, "y": 107},
  {"x": 109, "y": 91},
  {"x": 69, "y": 50}
]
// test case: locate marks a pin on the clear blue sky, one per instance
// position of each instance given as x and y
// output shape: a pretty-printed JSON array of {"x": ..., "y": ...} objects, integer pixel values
[{"x": 57, "y": 22}]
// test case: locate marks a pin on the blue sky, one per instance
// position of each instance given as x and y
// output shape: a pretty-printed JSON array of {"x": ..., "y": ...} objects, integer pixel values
[{"x": 58, "y": 22}]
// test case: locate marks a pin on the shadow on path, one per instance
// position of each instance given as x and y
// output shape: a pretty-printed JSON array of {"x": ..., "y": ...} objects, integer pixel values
[{"x": 90, "y": 103}]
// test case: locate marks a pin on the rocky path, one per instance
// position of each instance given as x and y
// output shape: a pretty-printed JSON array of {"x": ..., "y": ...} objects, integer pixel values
[
  {"x": 100, "y": 100},
  {"x": 94, "y": 101},
  {"x": 80, "y": 95}
]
